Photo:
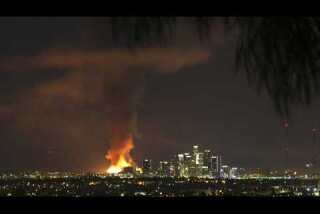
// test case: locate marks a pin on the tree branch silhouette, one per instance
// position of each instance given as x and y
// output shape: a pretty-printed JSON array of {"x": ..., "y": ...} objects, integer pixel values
[{"x": 278, "y": 54}]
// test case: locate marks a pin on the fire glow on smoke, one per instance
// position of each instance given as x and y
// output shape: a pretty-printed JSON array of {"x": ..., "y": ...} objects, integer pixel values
[{"x": 120, "y": 157}]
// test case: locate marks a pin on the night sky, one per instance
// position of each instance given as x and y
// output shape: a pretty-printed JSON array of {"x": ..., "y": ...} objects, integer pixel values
[{"x": 53, "y": 105}]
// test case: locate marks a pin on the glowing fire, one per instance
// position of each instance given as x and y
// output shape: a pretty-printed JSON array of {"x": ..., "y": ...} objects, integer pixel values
[{"x": 120, "y": 157}]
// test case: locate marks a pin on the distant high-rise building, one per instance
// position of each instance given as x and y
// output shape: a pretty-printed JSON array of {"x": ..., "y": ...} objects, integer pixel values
[
  {"x": 197, "y": 160},
  {"x": 188, "y": 165},
  {"x": 225, "y": 171},
  {"x": 207, "y": 158},
  {"x": 188, "y": 158},
  {"x": 242, "y": 172},
  {"x": 174, "y": 166},
  {"x": 234, "y": 173},
  {"x": 199, "y": 164},
  {"x": 181, "y": 165},
  {"x": 205, "y": 172},
  {"x": 207, "y": 163},
  {"x": 164, "y": 168},
  {"x": 195, "y": 149},
  {"x": 216, "y": 166},
  {"x": 147, "y": 166}
]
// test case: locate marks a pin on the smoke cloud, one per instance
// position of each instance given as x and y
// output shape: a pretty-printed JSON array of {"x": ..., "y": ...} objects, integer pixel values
[{"x": 109, "y": 82}]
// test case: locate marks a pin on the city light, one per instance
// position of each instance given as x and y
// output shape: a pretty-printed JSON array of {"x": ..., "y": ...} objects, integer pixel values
[{"x": 195, "y": 173}]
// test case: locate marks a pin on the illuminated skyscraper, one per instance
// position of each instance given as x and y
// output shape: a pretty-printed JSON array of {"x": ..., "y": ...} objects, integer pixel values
[
  {"x": 207, "y": 158},
  {"x": 188, "y": 164},
  {"x": 234, "y": 173},
  {"x": 199, "y": 164},
  {"x": 199, "y": 159},
  {"x": 164, "y": 169},
  {"x": 225, "y": 171},
  {"x": 181, "y": 165},
  {"x": 207, "y": 163},
  {"x": 174, "y": 166},
  {"x": 195, "y": 149},
  {"x": 194, "y": 167},
  {"x": 216, "y": 166},
  {"x": 147, "y": 167}
]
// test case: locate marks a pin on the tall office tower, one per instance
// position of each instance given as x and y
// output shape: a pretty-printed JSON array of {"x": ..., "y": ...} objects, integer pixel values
[
  {"x": 199, "y": 164},
  {"x": 216, "y": 166},
  {"x": 173, "y": 166},
  {"x": 207, "y": 158},
  {"x": 164, "y": 169},
  {"x": 195, "y": 149},
  {"x": 188, "y": 165},
  {"x": 219, "y": 165},
  {"x": 147, "y": 167},
  {"x": 225, "y": 171},
  {"x": 205, "y": 172},
  {"x": 207, "y": 163},
  {"x": 234, "y": 173},
  {"x": 241, "y": 172},
  {"x": 193, "y": 169},
  {"x": 181, "y": 166},
  {"x": 199, "y": 159}
]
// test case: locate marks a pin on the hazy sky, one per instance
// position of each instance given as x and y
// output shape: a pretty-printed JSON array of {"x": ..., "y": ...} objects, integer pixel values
[{"x": 53, "y": 104}]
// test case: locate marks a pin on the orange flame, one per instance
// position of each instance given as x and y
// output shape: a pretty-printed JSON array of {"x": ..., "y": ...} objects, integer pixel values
[{"x": 120, "y": 157}]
